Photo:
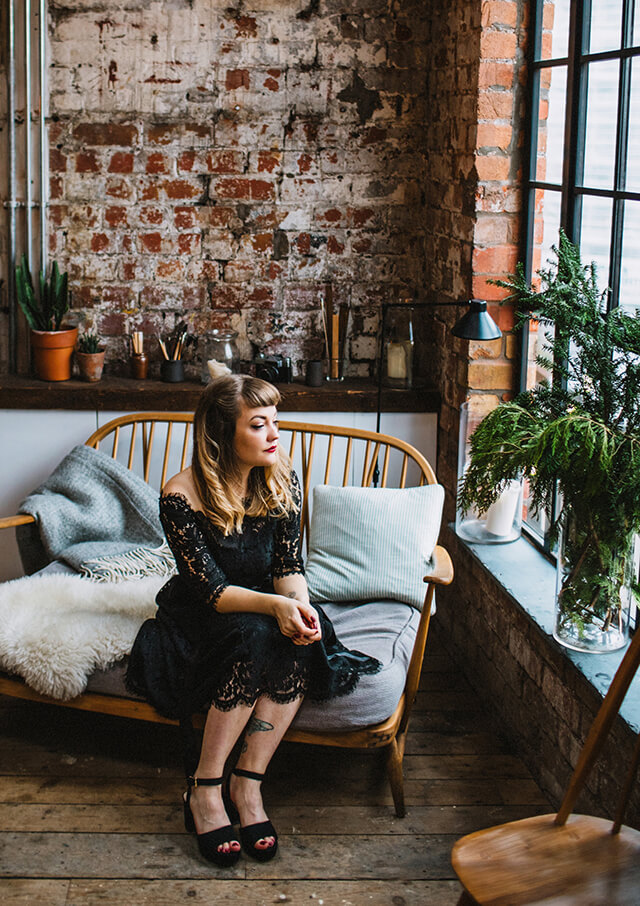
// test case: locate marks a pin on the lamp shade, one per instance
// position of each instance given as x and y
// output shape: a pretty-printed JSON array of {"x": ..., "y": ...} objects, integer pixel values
[{"x": 476, "y": 323}]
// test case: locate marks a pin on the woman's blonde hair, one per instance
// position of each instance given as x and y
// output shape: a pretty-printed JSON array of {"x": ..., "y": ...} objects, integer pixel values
[{"x": 214, "y": 463}]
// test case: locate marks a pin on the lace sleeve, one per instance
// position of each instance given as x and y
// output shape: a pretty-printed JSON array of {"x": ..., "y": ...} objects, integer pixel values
[
  {"x": 196, "y": 565},
  {"x": 287, "y": 558}
]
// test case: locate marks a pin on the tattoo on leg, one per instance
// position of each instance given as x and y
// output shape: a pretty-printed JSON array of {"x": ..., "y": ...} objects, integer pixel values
[
  {"x": 256, "y": 725},
  {"x": 244, "y": 747}
]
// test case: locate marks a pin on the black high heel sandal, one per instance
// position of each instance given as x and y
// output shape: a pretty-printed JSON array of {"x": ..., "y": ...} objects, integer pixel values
[
  {"x": 208, "y": 843},
  {"x": 250, "y": 834}
]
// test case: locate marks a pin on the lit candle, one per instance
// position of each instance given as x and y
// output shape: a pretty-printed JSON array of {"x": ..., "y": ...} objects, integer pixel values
[{"x": 501, "y": 514}]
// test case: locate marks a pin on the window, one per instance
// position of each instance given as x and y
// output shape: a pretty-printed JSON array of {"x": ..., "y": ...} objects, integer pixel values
[{"x": 583, "y": 168}]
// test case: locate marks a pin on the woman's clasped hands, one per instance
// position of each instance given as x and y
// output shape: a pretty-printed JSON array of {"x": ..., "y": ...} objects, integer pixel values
[{"x": 297, "y": 620}]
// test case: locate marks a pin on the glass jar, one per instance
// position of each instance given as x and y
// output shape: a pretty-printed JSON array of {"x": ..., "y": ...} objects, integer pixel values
[
  {"x": 219, "y": 346},
  {"x": 398, "y": 348}
]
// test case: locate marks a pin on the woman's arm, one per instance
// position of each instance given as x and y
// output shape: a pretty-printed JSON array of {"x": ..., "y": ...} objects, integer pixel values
[{"x": 289, "y": 605}]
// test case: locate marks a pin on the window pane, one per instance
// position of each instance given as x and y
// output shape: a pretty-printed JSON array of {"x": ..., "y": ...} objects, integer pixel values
[
  {"x": 595, "y": 235},
  {"x": 602, "y": 110},
  {"x": 633, "y": 158},
  {"x": 545, "y": 234},
  {"x": 630, "y": 272},
  {"x": 551, "y": 111},
  {"x": 606, "y": 25},
  {"x": 555, "y": 29}
]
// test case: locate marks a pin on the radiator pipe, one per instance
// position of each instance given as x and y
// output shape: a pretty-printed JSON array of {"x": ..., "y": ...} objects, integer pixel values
[
  {"x": 44, "y": 188},
  {"x": 11, "y": 133},
  {"x": 28, "y": 212}
]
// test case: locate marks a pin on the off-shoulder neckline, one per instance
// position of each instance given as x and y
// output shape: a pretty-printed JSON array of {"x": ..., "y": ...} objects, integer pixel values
[{"x": 176, "y": 496}]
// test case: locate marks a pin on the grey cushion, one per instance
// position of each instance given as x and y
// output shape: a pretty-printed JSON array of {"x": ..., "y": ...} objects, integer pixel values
[{"x": 372, "y": 544}]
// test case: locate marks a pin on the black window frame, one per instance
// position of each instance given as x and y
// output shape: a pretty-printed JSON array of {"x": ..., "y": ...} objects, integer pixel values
[{"x": 571, "y": 189}]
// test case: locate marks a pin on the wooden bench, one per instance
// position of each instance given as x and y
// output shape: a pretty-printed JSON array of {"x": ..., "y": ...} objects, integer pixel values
[{"x": 156, "y": 445}]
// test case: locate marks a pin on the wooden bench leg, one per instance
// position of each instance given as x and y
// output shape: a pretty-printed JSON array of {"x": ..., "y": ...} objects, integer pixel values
[{"x": 394, "y": 773}]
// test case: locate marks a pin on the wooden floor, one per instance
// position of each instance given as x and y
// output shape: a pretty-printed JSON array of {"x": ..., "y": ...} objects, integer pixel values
[{"x": 90, "y": 811}]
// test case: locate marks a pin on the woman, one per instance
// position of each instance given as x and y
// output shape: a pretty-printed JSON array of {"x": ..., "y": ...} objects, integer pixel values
[{"x": 234, "y": 633}]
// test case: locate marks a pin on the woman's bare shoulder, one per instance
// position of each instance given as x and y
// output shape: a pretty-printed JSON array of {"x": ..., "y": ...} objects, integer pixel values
[{"x": 183, "y": 484}]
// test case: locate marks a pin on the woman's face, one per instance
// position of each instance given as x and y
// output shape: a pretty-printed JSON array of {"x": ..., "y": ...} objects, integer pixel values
[{"x": 256, "y": 439}]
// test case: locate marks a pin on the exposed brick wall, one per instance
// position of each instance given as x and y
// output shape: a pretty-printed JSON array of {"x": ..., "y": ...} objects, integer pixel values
[
  {"x": 544, "y": 704},
  {"x": 223, "y": 162},
  {"x": 474, "y": 95}
]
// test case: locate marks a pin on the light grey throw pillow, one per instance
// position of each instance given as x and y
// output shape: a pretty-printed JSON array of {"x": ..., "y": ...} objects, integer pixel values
[{"x": 372, "y": 544}]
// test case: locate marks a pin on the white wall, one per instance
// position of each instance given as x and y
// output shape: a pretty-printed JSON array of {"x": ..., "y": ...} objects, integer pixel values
[{"x": 32, "y": 443}]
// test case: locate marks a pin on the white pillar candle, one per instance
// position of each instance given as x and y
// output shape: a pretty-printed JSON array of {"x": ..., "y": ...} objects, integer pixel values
[
  {"x": 501, "y": 514},
  {"x": 396, "y": 361}
]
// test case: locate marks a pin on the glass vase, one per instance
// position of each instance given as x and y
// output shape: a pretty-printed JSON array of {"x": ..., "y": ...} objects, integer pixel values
[
  {"x": 594, "y": 582},
  {"x": 502, "y": 522}
]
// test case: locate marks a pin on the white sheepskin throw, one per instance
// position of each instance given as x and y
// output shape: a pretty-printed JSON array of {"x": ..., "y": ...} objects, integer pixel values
[{"x": 55, "y": 630}]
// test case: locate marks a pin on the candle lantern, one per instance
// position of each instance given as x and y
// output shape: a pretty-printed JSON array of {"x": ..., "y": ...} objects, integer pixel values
[
  {"x": 397, "y": 364},
  {"x": 502, "y": 522}
]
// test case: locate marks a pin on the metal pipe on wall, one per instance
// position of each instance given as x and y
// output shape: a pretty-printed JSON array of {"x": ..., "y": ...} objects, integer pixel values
[
  {"x": 28, "y": 212},
  {"x": 12, "y": 201},
  {"x": 43, "y": 157}
]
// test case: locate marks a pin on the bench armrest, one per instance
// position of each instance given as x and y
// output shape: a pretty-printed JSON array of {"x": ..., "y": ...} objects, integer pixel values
[
  {"x": 10, "y": 521},
  {"x": 443, "y": 567}
]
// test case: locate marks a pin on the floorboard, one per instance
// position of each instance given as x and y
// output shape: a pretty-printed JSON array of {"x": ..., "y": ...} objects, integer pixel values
[{"x": 90, "y": 811}]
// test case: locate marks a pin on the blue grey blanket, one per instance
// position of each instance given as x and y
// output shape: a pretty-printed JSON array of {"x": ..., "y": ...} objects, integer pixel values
[{"x": 97, "y": 516}]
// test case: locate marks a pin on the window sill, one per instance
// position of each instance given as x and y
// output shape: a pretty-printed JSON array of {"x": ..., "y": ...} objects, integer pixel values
[{"x": 529, "y": 580}]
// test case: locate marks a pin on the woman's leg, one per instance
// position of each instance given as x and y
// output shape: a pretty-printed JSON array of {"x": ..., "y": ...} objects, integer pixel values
[
  {"x": 221, "y": 732},
  {"x": 265, "y": 729}
]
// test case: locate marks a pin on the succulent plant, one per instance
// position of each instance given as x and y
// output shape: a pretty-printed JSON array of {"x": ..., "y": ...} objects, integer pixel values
[
  {"x": 89, "y": 342},
  {"x": 45, "y": 311}
]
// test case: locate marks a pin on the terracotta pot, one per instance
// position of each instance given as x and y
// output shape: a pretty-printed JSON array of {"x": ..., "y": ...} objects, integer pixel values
[
  {"x": 52, "y": 351},
  {"x": 90, "y": 365}
]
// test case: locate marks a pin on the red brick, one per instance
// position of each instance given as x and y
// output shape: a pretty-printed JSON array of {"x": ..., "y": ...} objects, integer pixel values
[
  {"x": 495, "y": 260},
  {"x": 303, "y": 243},
  {"x": 121, "y": 162},
  {"x": 495, "y": 105},
  {"x": 490, "y": 375},
  {"x": 116, "y": 216},
  {"x": 56, "y": 188},
  {"x": 494, "y": 136},
  {"x": 185, "y": 218},
  {"x": 225, "y": 162},
  {"x": 186, "y": 160},
  {"x": 57, "y": 161},
  {"x": 261, "y": 297},
  {"x": 482, "y": 289},
  {"x": 255, "y": 189},
  {"x": 163, "y": 135},
  {"x": 237, "y": 78},
  {"x": 151, "y": 216},
  {"x": 99, "y": 242},
  {"x": 112, "y": 324},
  {"x": 225, "y": 296},
  {"x": 152, "y": 242},
  {"x": 262, "y": 242},
  {"x": 149, "y": 192},
  {"x": 268, "y": 161},
  {"x": 305, "y": 162},
  {"x": 181, "y": 188},
  {"x": 495, "y": 75},
  {"x": 333, "y": 215},
  {"x": 188, "y": 243},
  {"x": 170, "y": 270},
  {"x": 499, "y": 12},
  {"x": 374, "y": 135},
  {"x": 491, "y": 168},
  {"x": 87, "y": 162},
  {"x": 361, "y": 216},
  {"x": 334, "y": 247},
  {"x": 156, "y": 163},
  {"x": 498, "y": 45},
  {"x": 106, "y": 133},
  {"x": 245, "y": 26},
  {"x": 271, "y": 84}
]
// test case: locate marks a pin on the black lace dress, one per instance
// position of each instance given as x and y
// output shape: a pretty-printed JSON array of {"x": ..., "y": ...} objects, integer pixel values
[{"x": 191, "y": 656}]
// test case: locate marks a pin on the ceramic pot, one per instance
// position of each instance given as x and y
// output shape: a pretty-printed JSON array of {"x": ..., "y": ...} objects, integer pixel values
[
  {"x": 52, "y": 351},
  {"x": 90, "y": 365}
]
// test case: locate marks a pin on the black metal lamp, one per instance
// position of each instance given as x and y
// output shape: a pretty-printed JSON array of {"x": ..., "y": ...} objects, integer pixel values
[{"x": 475, "y": 324}]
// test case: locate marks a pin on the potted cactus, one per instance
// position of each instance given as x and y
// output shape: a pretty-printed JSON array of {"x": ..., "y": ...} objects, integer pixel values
[
  {"x": 90, "y": 356},
  {"x": 51, "y": 341}
]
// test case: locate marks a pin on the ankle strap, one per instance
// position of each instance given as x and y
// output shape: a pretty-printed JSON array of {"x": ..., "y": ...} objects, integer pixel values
[
  {"x": 239, "y": 772},
  {"x": 204, "y": 781}
]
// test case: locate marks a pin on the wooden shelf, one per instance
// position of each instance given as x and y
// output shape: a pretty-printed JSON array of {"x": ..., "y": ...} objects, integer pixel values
[{"x": 129, "y": 395}]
